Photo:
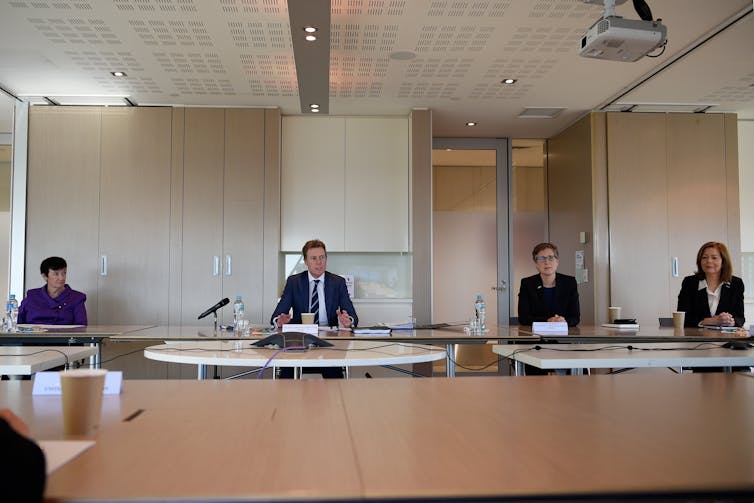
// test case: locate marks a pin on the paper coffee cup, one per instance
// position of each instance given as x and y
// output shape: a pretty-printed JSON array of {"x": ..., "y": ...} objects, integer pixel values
[
  {"x": 307, "y": 318},
  {"x": 613, "y": 313},
  {"x": 679, "y": 318},
  {"x": 82, "y": 399}
]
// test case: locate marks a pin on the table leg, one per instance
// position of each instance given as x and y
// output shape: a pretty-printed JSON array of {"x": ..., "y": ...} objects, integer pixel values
[
  {"x": 95, "y": 361},
  {"x": 201, "y": 371},
  {"x": 450, "y": 366},
  {"x": 518, "y": 368},
  {"x": 347, "y": 372}
]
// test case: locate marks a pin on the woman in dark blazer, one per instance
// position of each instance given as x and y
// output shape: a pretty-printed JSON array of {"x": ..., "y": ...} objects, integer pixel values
[
  {"x": 549, "y": 295},
  {"x": 713, "y": 289}
]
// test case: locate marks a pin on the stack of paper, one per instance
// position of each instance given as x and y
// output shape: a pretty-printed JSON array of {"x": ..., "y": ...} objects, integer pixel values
[
  {"x": 622, "y": 326},
  {"x": 408, "y": 325},
  {"x": 371, "y": 331}
]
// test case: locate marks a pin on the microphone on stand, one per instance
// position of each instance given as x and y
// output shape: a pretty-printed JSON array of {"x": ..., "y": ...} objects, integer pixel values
[{"x": 214, "y": 308}]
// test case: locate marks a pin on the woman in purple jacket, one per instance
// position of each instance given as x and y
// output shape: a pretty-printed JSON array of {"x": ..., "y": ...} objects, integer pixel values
[{"x": 55, "y": 303}]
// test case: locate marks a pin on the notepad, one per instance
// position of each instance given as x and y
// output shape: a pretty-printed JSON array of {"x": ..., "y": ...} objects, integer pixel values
[
  {"x": 59, "y": 452},
  {"x": 371, "y": 331},
  {"x": 550, "y": 327},
  {"x": 622, "y": 326}
]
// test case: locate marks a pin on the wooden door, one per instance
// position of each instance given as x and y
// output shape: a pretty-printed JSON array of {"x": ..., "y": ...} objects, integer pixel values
[
  {"x": 638, "y": 192},
  {"x": 202, "y": 217},
  {"x": 63, "y": 198},
  {"x": 243, "y": 210},
  {"x": 134, "y": 215},
  {"x": 697, "y": 197}
]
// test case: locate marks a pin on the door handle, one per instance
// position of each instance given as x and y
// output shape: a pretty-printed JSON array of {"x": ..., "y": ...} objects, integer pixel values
[
  {"x": 227, "y": 265},
  {"x": 103, "y": 266},
  {"x": 674, "y": 267},
  {"x": 216, "y": 265}
]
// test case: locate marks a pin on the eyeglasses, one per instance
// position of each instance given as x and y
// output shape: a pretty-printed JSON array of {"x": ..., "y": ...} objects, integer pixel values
[{"x": 545, "y": 258}]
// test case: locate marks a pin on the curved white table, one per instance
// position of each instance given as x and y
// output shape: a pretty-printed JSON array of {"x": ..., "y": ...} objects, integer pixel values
[{"x": 346, "y": 354}]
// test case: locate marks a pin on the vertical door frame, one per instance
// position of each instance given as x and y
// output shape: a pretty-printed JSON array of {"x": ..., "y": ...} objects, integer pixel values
[{"x": 502, "y": 147}]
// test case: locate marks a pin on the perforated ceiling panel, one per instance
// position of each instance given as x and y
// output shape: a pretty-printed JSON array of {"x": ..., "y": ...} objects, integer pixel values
[{"x": 386, "y": 56}]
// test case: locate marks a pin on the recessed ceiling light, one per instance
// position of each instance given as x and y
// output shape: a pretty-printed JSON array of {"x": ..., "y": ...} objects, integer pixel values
[
  {"x": 310, "y": 38},
  {"x": 471, "y": 124},
  {"x": 310, "y": 29},
  {"x": 314, "y": 110},
  {"x": 508, "y": 81},
  {"x": 118, "y": 74},
  {"x": 313, "y": 106}
]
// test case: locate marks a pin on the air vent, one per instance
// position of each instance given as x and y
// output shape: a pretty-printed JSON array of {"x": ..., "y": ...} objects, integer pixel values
[{"x": 540, "y": 113}]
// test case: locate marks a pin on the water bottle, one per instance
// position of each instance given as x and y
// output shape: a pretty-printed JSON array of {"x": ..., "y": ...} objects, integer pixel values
[
  {"x": 11, "y": 314},
  {"x": 480, "y": 308},
  {"x": 238, "y": 309}
]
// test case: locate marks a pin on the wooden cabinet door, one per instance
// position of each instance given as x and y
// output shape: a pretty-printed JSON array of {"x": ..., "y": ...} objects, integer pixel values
[
  {"x": 697, "y": 199},
  {"x": 313, "y": 182},
  {"x": 135, "y": 215},
  {"x": 638, "y": 213},
  {"x": 376, "y": 184},
  {"x": 243, "y": 209},
  {"x": 63, "y": 198},
  {"x": 202, "y": 217}
]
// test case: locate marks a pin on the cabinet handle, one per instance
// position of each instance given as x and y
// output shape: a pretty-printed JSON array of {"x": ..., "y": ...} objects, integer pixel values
[
  {"x": 216, "y": 266},
  {"x": 675, "y": 267},
  {"x": 103, "y": 266},
  {"x": 227, "y": 265}
]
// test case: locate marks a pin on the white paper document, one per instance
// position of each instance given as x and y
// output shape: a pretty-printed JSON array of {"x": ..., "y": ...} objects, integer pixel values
[
  {"x": 550, "y": 327},
  {"x": 59, "y": 452}
]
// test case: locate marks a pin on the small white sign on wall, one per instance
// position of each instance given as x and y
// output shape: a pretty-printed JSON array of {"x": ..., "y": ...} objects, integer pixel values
[
  {"x": 349, "y": 284},
  {"x": 582, "y": 274}
]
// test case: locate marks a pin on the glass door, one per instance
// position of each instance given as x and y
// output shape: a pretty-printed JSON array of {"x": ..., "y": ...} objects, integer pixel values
[{"x": 470, "y": 228}]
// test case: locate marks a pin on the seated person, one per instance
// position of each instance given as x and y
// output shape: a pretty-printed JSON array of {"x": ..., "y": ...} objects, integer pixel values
[
  {"x": 329, "y": 302},
  {"x": 23, "y": 474},
  {"x": 55, "y": 303},
  {"x": 712, "y": 296},
  {"x": 549, "y": 295},
  {"x": 315, "y": 291}
]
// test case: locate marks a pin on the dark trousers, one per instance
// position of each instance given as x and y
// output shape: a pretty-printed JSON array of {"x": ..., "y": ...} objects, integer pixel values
[{"x": 327, "y": 372}]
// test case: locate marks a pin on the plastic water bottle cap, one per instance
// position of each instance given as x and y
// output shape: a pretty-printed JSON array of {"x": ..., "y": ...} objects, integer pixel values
[
  {"x": 238, "y": 297},
  {"x": 478, "y": 297},
  {"x": 13, "y": 296}
]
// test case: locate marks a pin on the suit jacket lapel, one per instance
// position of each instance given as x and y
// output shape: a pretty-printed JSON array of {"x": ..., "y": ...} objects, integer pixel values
[
  {"x": 703, "y": 301},
  {"x": 540, "y": 290},
  {"x": 724, "y": 294}
]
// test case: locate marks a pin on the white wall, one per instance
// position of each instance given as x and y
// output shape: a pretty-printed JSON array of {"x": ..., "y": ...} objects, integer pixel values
[{"x": 746, "y": 191}]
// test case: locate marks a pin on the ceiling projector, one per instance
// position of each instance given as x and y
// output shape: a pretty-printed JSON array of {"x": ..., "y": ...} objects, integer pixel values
[{"x": 619, "y": 39}]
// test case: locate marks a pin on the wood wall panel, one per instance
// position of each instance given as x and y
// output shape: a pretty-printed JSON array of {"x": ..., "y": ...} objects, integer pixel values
[
  {"x": 62, "y": 212},
  {"x": 135, "y": 215}
]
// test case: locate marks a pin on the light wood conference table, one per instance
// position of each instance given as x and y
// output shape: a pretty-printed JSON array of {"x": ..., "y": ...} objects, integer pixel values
[
  {"x": 622, "y": 355},
  {"x": 645, "y": 333},
  {"x": 343, "y": 353},
  {"x": 51, "y": 335},
  {"x": 27, "y": 360},
  {"x": 689, "y": 436},
  {"x": 448, "y": 337}
]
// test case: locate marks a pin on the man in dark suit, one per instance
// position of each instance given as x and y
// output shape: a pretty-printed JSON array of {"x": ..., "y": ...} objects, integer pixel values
[
  {"x": 315, "y": 291},
  {"x": 331, "y": 305}
]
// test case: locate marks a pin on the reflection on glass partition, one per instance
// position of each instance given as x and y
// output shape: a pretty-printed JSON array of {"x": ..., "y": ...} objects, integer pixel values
[
  {"x": 376, "y": 275},
  {"x": 528, "y": 208},
  {"x": 6, "y": 155}
]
